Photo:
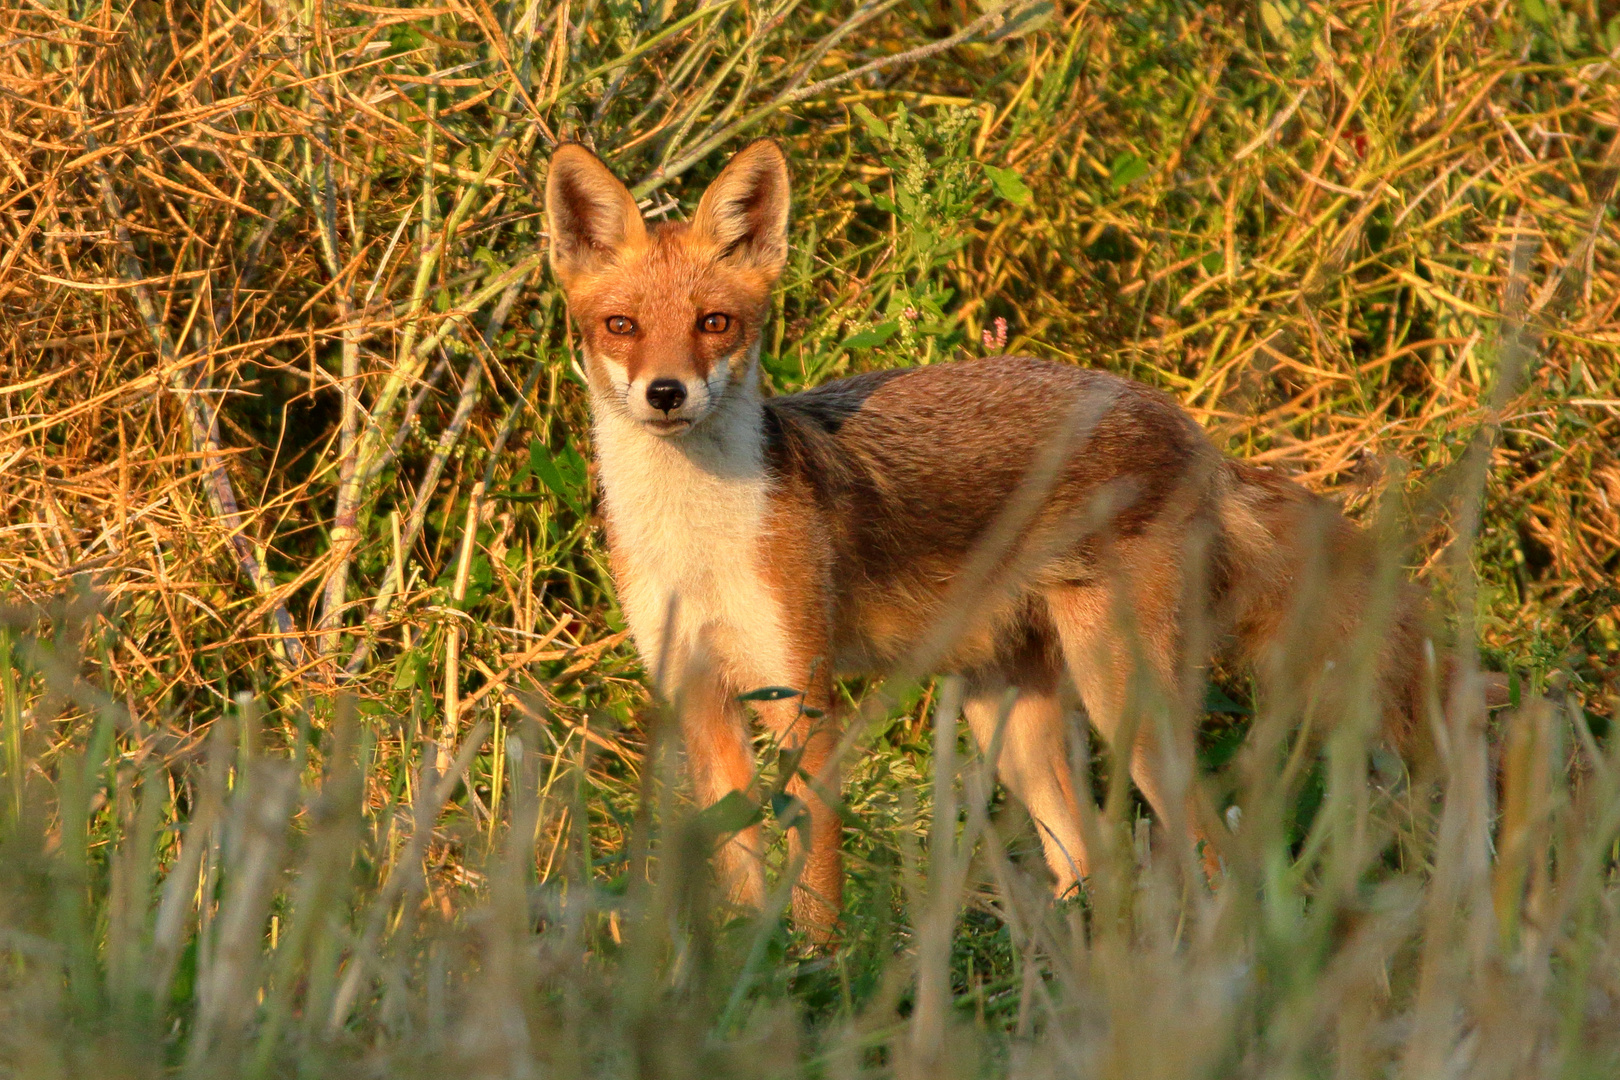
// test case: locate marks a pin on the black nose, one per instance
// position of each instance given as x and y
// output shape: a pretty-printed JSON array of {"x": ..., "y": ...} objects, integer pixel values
[{"x": 666, "y": 395}]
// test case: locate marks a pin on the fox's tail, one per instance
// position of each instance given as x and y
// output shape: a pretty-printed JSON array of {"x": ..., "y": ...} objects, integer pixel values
[{"x": 1305, "y": 592}]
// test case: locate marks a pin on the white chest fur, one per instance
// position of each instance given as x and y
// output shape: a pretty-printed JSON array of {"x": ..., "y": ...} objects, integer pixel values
[{"x": 688, "y": 519}]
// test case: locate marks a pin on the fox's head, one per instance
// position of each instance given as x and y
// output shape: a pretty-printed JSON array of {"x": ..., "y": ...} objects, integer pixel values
[{"x": 670, "y": 312}]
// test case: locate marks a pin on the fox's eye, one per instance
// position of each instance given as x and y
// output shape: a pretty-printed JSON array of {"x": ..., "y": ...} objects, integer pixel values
[
  {"x": 619, "y": 324},
  {"x": 715, "y": 323}
]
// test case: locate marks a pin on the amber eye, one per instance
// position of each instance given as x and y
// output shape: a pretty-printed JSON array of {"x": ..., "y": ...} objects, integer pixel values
[
  {"x": 715, "y": 323},
  {"x": 618, "y": 324}
]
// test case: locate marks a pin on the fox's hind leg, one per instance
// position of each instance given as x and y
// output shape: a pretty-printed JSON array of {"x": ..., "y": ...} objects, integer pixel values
[
  {"x": 1033, "y": 758},
  {"x": 1122, "y": 652}
]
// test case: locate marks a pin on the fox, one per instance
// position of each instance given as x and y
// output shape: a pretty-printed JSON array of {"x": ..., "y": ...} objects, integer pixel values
[{"x": 1050, "y": 533}]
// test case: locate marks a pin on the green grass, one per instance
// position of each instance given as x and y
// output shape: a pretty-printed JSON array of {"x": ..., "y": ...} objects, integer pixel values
[{"x": 294, "y": 461}]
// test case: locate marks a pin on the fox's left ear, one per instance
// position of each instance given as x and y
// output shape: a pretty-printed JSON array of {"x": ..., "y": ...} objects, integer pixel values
[{"x": 745, "y": 210}]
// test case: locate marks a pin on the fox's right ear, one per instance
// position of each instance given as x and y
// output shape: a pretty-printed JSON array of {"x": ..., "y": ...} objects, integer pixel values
[{"x": 591, "y": 214}]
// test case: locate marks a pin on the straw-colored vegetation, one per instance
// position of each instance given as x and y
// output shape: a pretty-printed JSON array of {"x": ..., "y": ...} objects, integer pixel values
[{"x": 323, "y": 751}]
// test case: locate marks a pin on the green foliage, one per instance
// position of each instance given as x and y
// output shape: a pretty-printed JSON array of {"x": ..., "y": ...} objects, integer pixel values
[{"x": 937, "y": 192}]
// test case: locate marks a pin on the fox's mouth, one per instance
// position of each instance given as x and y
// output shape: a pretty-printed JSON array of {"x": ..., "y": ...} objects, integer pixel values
[{"x": 667, "y": 427}]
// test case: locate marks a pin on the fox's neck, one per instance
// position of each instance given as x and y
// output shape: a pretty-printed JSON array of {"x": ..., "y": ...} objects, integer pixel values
[{"x": 688, "y": 519}]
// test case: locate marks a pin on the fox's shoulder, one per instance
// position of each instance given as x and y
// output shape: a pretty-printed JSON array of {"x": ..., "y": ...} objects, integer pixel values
[{"x": 828, "y": 406}]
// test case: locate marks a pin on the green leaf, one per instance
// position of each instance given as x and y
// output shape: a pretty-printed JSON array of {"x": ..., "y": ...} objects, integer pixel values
[
  {"x": 785, "y": 807},
  {"x": 733, "y": 812},
  {"x": 480, "y": 576},
  {"x": 873, "y": 125},
  {"x": 404, "y": 38},
  {"x": 868, "y": 339},
  {"x": 1022, "y": 21},
  {"x": 411, "y": 671},
  {"x": 563, "y": 474},
  {"x": 1009, "y": 185},
  {"x": 882, "y": 202},
  {"x": 1276, "y": 24},
  {"x": 1126, "y": 168},
  {"x": 1217, "y": 701},
  {"x": 770, "y": 693},
  {"x": 573, "y": 467},
  {"x": 908, "y": 697}
]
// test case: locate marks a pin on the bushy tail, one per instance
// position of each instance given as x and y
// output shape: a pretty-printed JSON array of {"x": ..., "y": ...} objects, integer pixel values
[{"x": 1306, "y": 593}]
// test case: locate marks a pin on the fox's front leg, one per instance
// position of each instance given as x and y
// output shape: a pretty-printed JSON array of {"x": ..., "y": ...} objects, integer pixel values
[
  {"x": 807, "y": 731},
  {"x": 721, "y": 761}
]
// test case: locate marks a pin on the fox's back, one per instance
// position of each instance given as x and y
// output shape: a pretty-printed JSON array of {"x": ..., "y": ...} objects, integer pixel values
[{"x": 910, "y": 469}]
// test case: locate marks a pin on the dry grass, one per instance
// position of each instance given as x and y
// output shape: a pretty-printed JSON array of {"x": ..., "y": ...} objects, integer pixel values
[{"x": 290, "y": 417}]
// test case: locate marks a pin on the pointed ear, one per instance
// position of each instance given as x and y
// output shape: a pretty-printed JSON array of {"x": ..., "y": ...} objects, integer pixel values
[
  {"x": 591, "y": 215},
  {"x": 745, "y": 210}
]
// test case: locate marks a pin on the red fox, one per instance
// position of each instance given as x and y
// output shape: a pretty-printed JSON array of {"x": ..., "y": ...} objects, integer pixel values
[{"x": 1069, "y": 528}]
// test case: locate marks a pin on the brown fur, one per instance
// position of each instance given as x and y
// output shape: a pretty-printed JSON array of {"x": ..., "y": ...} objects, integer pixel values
[{"x": 898, "y": 502}]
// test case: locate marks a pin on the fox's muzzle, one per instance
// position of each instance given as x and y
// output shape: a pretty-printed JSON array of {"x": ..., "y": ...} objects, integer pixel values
[{"x": 666, "y": 395}]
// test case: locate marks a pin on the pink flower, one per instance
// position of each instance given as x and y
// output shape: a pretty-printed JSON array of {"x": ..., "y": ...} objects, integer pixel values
[{"x": 996, "y": 342}]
